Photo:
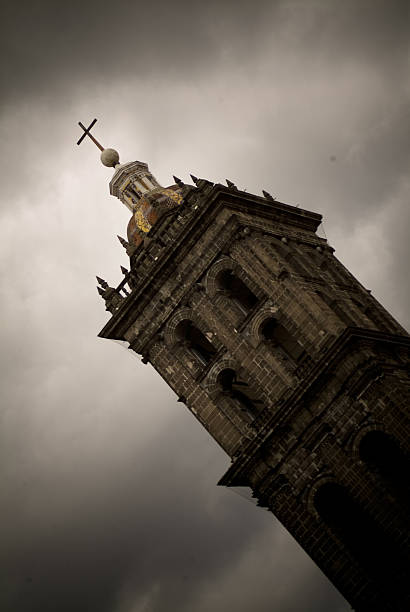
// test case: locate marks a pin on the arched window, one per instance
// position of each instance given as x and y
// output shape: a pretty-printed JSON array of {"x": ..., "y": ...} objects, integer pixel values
[
  {"x": 358, "y": 304},
  {"x": 195, "y": 341},
  {"x": 276, "y": 334},
  {"x": 379, "y": 318},
  {"x": 383, "y": 456},
  {"x": 365, "y": 540},
  {"x": 237, "y": 290},
  {"x": 238, "y": 390},
  {"x": 338, "y": 308}
]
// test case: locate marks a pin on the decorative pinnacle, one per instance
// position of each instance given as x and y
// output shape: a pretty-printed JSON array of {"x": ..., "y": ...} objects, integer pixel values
[
  {"x": 124, "y": 270},
  {"x": 101, "y": 291},
  {"x": 102, "y": 282},
  {"x": 124, "y": 243},
  {"x": 230, "y": 184},
  {"x": 178, "y": 181},
  {"x": 268, "y": 195},
  {"x": 195, "y": 179}
]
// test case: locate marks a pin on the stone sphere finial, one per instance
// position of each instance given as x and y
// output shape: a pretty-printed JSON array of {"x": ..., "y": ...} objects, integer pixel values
[{"x": 110, "y": 158}]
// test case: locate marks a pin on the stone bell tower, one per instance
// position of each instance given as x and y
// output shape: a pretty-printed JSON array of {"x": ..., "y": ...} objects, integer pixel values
[{"x": 298, "y": 373}]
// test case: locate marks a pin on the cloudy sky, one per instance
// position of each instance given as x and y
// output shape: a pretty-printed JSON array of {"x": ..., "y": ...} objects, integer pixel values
[{"x": 106, "y": 507}]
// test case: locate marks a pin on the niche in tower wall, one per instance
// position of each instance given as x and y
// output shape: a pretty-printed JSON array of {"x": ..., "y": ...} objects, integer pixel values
[
  {"x": 380, "y": 318},
  {"x": 237, "y": 291},
  {"x": 338, "y": 307},
  {"x": 239, "y": 392},
  {"x": 380, "y": 557},
  {"x": 276, "y": 335},
  {"x": 195, "y": 341},
  {"x": 384, "y": 457}
]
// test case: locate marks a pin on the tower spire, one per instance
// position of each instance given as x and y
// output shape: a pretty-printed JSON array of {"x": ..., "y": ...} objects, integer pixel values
[{"x": 136, "y": 187}]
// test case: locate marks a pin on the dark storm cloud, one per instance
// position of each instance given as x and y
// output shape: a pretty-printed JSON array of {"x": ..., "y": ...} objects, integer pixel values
[
  {"x": 47, "y": 45},
  {"x": 124, "y": 527},
  {"x": 52, "y": 45},
  {"x": 108, "y": 484},
  {"x": 369, "y": 30}
]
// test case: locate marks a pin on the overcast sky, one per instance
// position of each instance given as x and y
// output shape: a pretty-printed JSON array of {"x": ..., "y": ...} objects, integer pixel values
[{"x": 109, "y": 498}]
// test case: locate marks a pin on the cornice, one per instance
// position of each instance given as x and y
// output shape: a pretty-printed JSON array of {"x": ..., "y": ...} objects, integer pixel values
[{"x": 196, "y": 207}]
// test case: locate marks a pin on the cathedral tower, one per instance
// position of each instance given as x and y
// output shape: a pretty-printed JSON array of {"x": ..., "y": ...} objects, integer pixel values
[{"x": 293, "y": 367}]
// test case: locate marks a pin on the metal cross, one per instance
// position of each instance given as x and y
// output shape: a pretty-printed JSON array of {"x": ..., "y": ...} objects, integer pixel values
[{"x": 87, "y": 133}]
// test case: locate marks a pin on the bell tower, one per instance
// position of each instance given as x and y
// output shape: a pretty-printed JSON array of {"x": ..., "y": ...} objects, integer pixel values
[{"x": 292, "y": 366}]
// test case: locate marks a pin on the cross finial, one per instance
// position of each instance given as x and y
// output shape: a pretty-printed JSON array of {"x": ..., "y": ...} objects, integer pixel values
[
  {"x": 109, "y": 157},
  {"x": 87, "y": 133}
]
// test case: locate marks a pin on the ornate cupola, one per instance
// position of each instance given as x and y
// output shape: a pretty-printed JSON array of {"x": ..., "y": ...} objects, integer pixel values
[{"x": 135, "y": 186}]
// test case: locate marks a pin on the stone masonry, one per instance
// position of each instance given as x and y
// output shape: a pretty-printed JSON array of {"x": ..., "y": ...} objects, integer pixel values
[{"x": 292, "y": 366}]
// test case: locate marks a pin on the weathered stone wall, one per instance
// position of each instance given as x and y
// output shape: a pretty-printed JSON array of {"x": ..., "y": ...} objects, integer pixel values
[{"x": 299, "y": 400}]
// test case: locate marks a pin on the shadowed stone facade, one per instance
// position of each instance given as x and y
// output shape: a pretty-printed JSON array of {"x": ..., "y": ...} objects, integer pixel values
[{"x": 298, "y": 373}]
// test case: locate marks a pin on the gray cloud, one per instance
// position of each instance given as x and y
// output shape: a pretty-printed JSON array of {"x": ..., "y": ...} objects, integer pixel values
[
  {"x": 54, "y": 46},
  {"x": 48, "y": 47},
  {"x": 108, "y": 484}
]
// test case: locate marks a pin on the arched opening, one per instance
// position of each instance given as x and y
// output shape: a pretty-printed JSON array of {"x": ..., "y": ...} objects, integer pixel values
[
  {"x": 195, "y": 341},
  {"x": 383, "y": 456},
  {"x": 376, "y": 315},
  {"x": 238, "y": 390},
  {"x": 237, "y": 290},
  {"x": 338, "y": 308},
  {"x": 276, "y": 334},
  {"x": 365, "y": 540},
  {"x": 358, "y": 304}
]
